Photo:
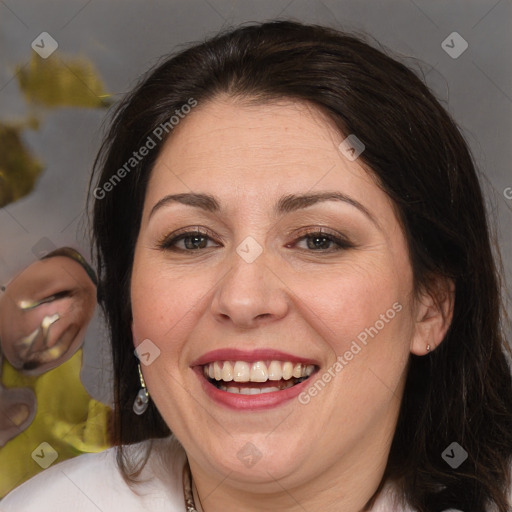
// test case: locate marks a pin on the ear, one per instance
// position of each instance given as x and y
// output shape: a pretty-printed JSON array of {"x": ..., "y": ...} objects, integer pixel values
[{"x": 433, "y": 315}]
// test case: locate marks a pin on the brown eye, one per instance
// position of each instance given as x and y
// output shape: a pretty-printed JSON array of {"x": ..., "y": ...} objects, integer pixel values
[{"x": 317, "y": 242}]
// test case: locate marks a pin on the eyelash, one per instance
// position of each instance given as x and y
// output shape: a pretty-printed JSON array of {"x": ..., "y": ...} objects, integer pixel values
[{"x": 169, "y": 241}]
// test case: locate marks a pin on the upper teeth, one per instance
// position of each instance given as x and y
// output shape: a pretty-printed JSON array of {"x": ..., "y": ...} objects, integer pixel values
[{"x": 259, "y": 371}]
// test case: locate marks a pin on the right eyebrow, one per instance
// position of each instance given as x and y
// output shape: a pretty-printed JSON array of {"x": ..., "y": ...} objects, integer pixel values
[{"x": 204, "y": 201}]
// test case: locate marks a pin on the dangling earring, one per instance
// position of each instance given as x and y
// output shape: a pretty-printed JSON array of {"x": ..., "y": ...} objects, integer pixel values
[
  {"x": 428, "y": 348},
  {"x": 142, "y": 399}
]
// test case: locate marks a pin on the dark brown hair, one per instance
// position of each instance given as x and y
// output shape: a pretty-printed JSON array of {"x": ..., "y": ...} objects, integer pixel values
[{"x": 462, "y": 391}]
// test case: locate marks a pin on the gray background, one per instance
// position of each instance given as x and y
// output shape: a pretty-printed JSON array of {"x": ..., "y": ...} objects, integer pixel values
[{"x": 124, "y": 38}]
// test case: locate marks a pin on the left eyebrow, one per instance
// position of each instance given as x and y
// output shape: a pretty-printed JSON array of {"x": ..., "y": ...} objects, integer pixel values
[
  {"x": 286, "y": 204},
  {"x": 292, "y": 202}
]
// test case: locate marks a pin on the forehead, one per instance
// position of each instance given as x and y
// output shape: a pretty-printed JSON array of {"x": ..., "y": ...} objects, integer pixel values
[
  {"x": 258, "y": 152},
  {"x": 225, "y": 130}
]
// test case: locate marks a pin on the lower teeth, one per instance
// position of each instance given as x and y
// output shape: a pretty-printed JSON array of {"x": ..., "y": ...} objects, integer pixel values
[{"x": 259, "y": 390}]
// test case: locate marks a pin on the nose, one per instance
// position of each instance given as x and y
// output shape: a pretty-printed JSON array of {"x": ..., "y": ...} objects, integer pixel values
[{"x": 250, "y": 294}]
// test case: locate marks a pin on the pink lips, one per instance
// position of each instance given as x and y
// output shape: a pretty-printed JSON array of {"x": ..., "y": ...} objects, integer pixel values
[
  {"x": 241, "y": 402},
  {"x": 250, "y": 402}
]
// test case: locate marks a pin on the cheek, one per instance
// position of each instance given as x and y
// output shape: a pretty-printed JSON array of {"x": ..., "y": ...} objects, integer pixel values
[
  {"x": 349, "y": 302},
  {"x": 363, "y": 318},
  {"x": 164, "y": 304},
  {"x": 371, "y": 340}
]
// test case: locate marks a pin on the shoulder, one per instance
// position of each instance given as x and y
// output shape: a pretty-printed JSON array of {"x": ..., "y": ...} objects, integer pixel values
[{"x": 93, "y": 482}]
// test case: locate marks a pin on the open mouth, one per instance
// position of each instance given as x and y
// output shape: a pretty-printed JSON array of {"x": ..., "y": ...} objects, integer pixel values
[{"x": 244, "y": 378}]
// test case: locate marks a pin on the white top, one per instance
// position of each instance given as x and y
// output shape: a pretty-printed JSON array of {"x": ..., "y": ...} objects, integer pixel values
[{"x": 93, "y": 483}]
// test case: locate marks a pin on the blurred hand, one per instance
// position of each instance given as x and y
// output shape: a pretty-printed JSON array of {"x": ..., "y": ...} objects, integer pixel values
[{"x": 44, "y": 313}]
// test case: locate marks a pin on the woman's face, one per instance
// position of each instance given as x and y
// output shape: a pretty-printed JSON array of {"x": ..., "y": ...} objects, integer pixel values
[{"x": 259, "y": 294}]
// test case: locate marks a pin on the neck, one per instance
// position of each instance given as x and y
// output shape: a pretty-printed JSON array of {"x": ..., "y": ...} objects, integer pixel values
[{"x": 347, "y": 485}]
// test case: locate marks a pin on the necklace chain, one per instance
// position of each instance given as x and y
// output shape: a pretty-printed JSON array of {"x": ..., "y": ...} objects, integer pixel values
[{"x": 187, "y": 489}]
